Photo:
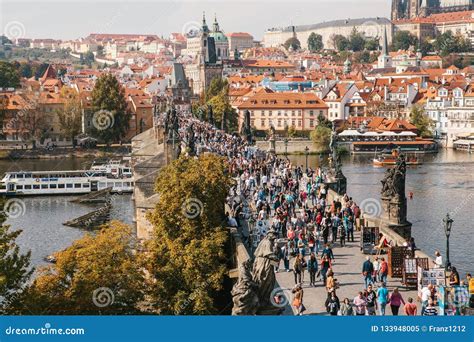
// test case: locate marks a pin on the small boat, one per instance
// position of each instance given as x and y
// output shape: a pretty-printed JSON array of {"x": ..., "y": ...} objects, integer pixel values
[{"x": 384, "y": 160}]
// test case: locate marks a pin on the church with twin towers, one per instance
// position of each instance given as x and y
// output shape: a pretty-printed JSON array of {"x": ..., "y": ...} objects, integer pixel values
[{"x": 409, "y": 9}]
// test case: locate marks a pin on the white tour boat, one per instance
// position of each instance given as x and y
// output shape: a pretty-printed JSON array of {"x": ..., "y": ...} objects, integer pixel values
[{"x": 110, "y": 175}]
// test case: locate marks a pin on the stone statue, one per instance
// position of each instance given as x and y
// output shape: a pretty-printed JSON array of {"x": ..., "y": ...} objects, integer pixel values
[
  {"x": 393, "y": 183},
  {"x": 191, "y": 140},
  {"x": 244, "y": 292},
  {"x": 332, "y": 144},
  {"x": 248, "y": 127},
  {"x": 224, "y": 122},
  {"x": 263, "y": 272}
]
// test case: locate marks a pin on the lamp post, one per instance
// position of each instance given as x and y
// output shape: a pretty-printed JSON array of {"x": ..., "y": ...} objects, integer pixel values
[
  {"x": 448, "y": 225},
  {"x": 286, "y": 147},
  {"x": 306, "y": 152}
]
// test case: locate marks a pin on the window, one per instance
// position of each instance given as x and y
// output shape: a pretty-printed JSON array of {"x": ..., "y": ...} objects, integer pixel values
[
  {"x": 19, "y": 187},
  {"x": 311, "y": 112},
  {"x": 27, "y": 187},
  {"x": 269, "y": 113},
  {"x": 311, "y": 123},
  {"x": 61, "y": 186},
  {"x": 85, "y": 185},
  {"x": 262, "y": 123},
  {"x": 69, "y": 186},
  {"x": 53, "y": 186},
  {"x": 44, "y": 186},
  {"x": 77, "y": 186},
  {"x": 36, "y": 187}
]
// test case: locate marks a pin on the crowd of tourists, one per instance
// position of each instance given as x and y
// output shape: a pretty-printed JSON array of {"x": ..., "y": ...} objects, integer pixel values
[{"x": 294, "y": 203}]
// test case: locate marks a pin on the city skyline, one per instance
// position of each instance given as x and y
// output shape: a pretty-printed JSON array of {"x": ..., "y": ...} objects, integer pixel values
[{"x": 165, "y": 17}]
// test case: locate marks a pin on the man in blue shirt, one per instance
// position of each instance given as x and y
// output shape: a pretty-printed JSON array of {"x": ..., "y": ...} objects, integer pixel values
[{"x": 382, "y": 297}]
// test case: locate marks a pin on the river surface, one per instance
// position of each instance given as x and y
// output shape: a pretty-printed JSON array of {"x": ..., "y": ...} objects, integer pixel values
[
  {"x": 444, "y": 183},
  {"x": 42, "y": 217}
]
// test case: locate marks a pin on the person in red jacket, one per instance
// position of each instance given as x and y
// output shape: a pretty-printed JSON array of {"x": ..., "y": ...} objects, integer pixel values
[{"x": 383, "y": 270}]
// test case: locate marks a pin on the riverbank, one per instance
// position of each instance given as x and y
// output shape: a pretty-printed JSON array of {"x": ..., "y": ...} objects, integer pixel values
[{"x": 63, "y": 153}]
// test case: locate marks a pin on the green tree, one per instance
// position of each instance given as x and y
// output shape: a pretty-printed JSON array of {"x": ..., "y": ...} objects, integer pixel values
[
  {"x": 15, "y": 268},
  {"x": 447, "y": 43},
  {"x": 403, "y": 40},
  {"x": 356, "y": 40},
  {"x": 372, "y": 44},
  {"x": 340, "y": 42},
  {"x": 217, "y": 85},
  {"x": 39, "y": 70},
  {"x": 111, "y": 118},
  {"x": 70, "y": 117},
  {"x": 321, "y": 137},
  {"x": 9, "y": 77},
  {"x": 98, "y": 274},
  {"x": 26, "y": 70},
  {"x": 186, "y": 259},
  {"x": 292, "y": 133},
  {"x": 315, "y": 42},
  {"x": 292, "y": 43},
  {"x": 323, "y": 121},
  {"x": 422, "y": 122}
]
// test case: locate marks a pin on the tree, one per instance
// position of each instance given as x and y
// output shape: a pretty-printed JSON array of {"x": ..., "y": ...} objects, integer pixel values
[
  {"x": 186, "y": 258},
  {"x": 220, "y": 104},
  {"x": 340, "y": 42},
  {"x": 100, "y": 51},
  {"x": 217, "y": 85},
  {"x": 111, "y": 118},
  {"x": 447, "y": 43},
  {"x": 292, "y": 133},
  {"x": 372, "y": 44},
  {"x": 315, "y": 42},
  {"x": 70, "y": 118},
  {"x": 292, "y": 43},
  {"x": 356, "y": 40},
  {"x": 14, "y": 267},
  {"x": 26, "y": 70},
  {"x": 98, "y": 274},
  {"x": 422, "y": 122},
  {"x": 31, "y": 121},
  {"x": 403, "y": 40},
  {"x": 40, "y": 70},
  {"x": 323, "y": 121},
  {"x": 9, "y": 77},
  {"x": 321, "y": 136}
]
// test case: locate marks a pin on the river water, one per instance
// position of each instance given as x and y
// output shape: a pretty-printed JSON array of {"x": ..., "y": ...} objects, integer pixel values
[
  {"x": 444, "y": 183},
  {"x": 42, "y": 217}
]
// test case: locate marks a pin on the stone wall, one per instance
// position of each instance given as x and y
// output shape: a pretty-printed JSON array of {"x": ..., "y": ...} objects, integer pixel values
[{"x": 294, "y": 146}]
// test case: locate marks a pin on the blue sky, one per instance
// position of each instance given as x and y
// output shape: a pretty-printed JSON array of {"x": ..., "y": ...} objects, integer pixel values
[{"x": 68, "y": 19}]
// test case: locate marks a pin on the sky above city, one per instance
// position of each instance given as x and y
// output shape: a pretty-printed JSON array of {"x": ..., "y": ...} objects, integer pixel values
[{"x": 70, "y": 19}]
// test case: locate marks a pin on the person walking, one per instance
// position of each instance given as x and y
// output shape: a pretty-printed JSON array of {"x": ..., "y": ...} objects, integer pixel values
[
  {"x": 382, "y": 298},
  {"x": 330, "y": 282},
  {"x": 298, "y": 294},
  {"x": 332, "y": 304},
  {"x": 367, "y": 270},
  {"x": 312, "y": 269},
  {"x": 346, "y": 308},
  {"x": 383, "y": 270},
  {"x": 360, "y": 304},
  {"x": 371, "y": 298},
  {"x": 430, "y": 310},
  {"x": 425, "y": 296},
  {"x": 325, "y": 266},
  {"x": 376, "y": 264},
  {"x": 298, "y": 268},
  {"x": 395, "y": 301},
  {"x": 410, "y": 308}
]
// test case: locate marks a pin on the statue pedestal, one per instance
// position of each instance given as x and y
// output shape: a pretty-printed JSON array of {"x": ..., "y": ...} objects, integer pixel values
[
  {"x": 272, "y": 147},
  {"x": 394, "y": 215}
]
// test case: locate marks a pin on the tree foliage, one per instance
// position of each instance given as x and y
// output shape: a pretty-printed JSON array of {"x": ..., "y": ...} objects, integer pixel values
[
  {"x": 403, "y": 40},
  {"x": 108, "y": 96},
  {"x": 315, "y": 42},
  {"x": 186, "y": 257},
  {"x": 340, "y": 42},
  {"x": 15, "y": 268},
  {"x": 70, "y": 117},
  {"x": 422, "y": 122},
  {"x": 9, "y": 76},
  {"x": 217, "y": 96},
  {"x": 447, "y": 43},
  {"x": 97, "y": 275},
  {"x": 321, "y": 136},
  {"x": 356, "y": 40},
  {"x": 292, "y": 43}
]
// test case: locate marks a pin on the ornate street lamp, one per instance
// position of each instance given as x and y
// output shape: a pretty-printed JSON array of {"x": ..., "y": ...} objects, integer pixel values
[
  {"x": 448, "y": 225},
  {"x": 306, "y": 152}
]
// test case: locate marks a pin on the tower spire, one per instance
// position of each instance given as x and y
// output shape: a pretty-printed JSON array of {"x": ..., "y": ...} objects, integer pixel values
[
  {"x": 385, "y": 43},
  {"x": 204, "y": 24}
]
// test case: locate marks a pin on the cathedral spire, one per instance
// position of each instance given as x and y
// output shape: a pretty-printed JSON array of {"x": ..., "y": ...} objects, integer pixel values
[
  {"x": 205, "y": 28},
  {"x": 215, "y": 26},
  {"x": 385, "y": 43}
]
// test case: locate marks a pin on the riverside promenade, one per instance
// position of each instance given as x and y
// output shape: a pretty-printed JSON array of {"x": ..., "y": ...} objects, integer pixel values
[{"x": 348, "y": 272}]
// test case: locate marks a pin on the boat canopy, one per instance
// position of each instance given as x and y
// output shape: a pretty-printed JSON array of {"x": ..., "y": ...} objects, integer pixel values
[{"x": 349, "y": 133}]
